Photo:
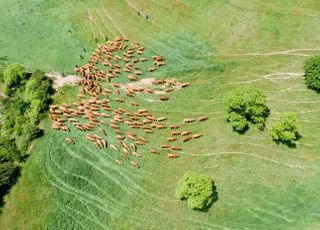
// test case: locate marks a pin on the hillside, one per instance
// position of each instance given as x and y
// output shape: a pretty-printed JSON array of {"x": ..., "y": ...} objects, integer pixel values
[{"x": 216, "y": 46}]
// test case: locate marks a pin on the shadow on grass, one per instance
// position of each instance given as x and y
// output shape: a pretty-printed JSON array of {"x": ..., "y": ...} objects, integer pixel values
[
  {"x": 8, "y": 178},
  {"x": 215, "y": 198},
  {"x": 290, "y": 144}
]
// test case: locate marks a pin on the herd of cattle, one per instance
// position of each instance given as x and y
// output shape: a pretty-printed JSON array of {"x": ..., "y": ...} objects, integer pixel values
[{"x": 122, "y": 130}]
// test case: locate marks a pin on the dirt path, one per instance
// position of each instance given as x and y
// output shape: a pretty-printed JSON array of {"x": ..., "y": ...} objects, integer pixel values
[
  {"x": 275, "y": 53},
  {"x": 61, "y": 80}
]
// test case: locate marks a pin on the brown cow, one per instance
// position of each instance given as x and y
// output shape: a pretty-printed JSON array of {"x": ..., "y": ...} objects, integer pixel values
[
  {"x": 164, "y": 98},
  {"x": 69, "y": 141},
  {"x": 171, "y": 139},
  {"x": 188, "y": 120},
  {"x": 198, "y": 135},
  {"x": 186, "y": 139},
  {"x": 172, "y": 155},
  {"x": 134, "y": 164},
  {"x": 154, "y": 151},
  {"x": 203, "y": 118},
  {"x": 185, "y": 133}
]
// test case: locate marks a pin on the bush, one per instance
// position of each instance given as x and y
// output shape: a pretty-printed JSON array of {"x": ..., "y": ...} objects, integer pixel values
[
  {"x": 14, "y": 76},
  {"x": 312, "y": 72},
  {"x": 244, "y": 105},
  {"x": 28, "y": 98},
  {"x": 198, "y": 190},
  {"x": 8, "y": 174},
  {"x": 285, "y": 131}
]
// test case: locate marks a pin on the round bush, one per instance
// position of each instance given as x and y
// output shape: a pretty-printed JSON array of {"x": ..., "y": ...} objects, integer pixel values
[{"x": 312, "y": 72}]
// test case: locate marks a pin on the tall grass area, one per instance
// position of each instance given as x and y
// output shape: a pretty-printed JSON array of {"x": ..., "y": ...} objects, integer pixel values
[{"x": 260, "y": 185}]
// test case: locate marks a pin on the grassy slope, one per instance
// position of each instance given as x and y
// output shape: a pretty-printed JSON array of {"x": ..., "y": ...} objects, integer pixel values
[{"x": 260, "y": 184}]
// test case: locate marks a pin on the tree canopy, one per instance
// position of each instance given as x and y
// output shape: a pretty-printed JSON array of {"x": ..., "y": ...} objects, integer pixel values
[
  {"x": 198, "y": 190},
  {"x": 312, "y": 72},
  {"x": 28, "y": 98},
  {"x": 14, "y": 76},
  {"x": 285, "y": 131},
  {"x": 246, "y": 104}
]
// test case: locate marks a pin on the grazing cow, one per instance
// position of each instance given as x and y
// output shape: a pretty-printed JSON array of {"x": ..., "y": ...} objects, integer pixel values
[
  {"x": 203, "y": 118},
  {"x": 169, "y": 90},
  {"x": 119, "y": 100},
  {"x": 132, "y": 78},
  {"x": 174, "y": 127},
  {"x": 165, "y": 146},
  {"x": 65, "y": 128},
  {"x": 56, "y": 125},
  {"x": 114, "y": 147},
  {"x": 135, "y": 154},
  {"x": 185, "y": 133},
  {"x": 175, "y": 133},
  {"x": 154, "y": 151},
  {"x": 172, "y": 155},
  {"x": 159, "y": 119},
  {"x": 124, "y": 156},
  {"x": 163, "y": 98},
  {"x": 198, "y": 135},
  {"x": 139, "y": 142},
  {"x": 152, "y": 69},
  {"x": 186, "y": 139},
  {"x": 68, "y": 141},
  {"x": 102, "y": 131},
  {"x": 183, "y": 85},
  {"x": 171, "y": 139},
  {"x": 134, "y": 164},
  {"x": 118, "y": 162},
  {"x": 177, "y": 148},
  {"x": 188, "y": 120},
  {"x": 119, "y": 137}
]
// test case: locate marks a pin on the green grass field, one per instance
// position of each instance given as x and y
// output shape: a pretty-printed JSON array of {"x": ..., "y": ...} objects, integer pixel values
[{"x": 215, "y": 45}]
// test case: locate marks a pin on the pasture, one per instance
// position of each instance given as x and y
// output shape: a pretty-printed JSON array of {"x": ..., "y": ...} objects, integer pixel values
[{"x": 214, "y": 45}]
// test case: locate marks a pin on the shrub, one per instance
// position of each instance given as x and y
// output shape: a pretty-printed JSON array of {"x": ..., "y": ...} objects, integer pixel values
[
  {"x": 28, "y": 98},
  {"x": 14, "y": 76},
  {"x": 285, "y": 131},
  {"x": 8, "y": 173},
  {"x": 312, "y": 72},
  {"x": 198, "y": 190},
  {"x": 244, "y": 105}
]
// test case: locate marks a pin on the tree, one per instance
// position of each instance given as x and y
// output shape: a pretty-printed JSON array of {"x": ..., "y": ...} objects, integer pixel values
[
  {"x": 198, "y": 190},
  {"x": 14, "y": 76},
  {"x": 39, "y": 87},
  {"x": 8, "y": 173},
  {"x": 285, "y": 131},
  {"x": 312, "y": 72},
  {"x": 246, "y": 104}
]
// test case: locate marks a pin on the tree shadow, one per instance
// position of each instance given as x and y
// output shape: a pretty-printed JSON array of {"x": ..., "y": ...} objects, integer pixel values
[
  {"x": 215, "y": 198},
  {"x": 290, "y": 144},
  {"x": 4, "y": 189}
]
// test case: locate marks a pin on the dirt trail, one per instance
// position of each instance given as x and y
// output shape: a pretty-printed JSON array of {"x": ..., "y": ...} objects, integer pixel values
[
  {"x": 61, "y": 80},
  {"x": 283, "y": 52}
]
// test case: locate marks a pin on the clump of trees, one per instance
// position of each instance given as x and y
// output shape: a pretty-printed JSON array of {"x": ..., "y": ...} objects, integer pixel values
[
  {"x": 285, "y": 131},
  {"x": 246, "y": 105},
  {"x": 199, "y": 190},
  {"x": 312, "y": 72},
  {"x": 26, "y": 101}
]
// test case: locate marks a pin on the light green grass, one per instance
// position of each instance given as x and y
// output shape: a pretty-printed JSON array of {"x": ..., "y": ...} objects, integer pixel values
[{"x": 260, "y": 185}]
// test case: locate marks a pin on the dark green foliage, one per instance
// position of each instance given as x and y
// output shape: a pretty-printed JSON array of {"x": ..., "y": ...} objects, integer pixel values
[
  {"x": 8, "y": 173},
  {"x": 312, "y": 72},
  {"x": 285, "y": 131},
  {"x": 28, "y": 98},
  {"x": 39, "y": 87},
  {"x": 244, "y": 105},
  {"x": 9, "y": 151},
  {"x": 14, "y": 76},
  {"x": 198, "y": 190}
]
